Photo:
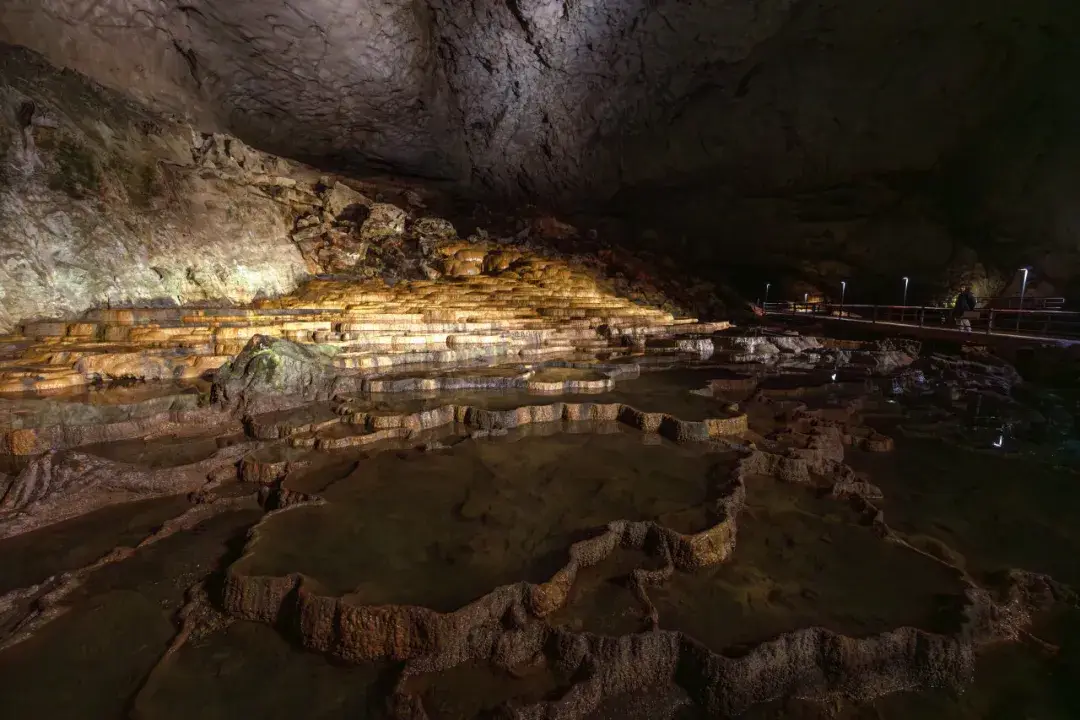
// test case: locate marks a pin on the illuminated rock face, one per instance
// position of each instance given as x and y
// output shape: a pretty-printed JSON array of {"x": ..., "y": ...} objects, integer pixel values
[
  {"x": 105, "y": 203},
  {"x": 529, "y": 308},
  {"x": 871, "y": 133}
]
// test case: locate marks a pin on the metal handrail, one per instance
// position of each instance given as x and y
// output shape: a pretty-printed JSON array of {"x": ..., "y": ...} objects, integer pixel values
[
  {"x": 1044, "y": 302},
  {"x": 1010, "y": 321},
  {"x": 939, "y": 308}
]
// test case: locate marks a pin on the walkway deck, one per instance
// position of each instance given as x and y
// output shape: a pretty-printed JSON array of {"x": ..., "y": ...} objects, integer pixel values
[{"x": 989, "y": 327}]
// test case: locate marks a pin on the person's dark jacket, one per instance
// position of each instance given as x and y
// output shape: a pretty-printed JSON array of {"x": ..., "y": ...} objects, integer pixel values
[{"x": 965, "y": 302}]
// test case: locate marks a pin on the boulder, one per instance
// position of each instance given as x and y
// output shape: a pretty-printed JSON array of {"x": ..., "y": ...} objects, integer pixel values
[
  {"x": 385, "y": 222},
  {"x": 273, "y": 374},
  {"x": 430, "y": 232},
  {"x": 342, "y": 202},
  {"x": 434, "y": 228}
]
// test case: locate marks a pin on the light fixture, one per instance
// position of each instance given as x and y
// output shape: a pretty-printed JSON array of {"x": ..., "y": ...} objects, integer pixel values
[
  {"x": 843, "y": 291},
  {"x": 904, "y": 303},
  {"x": 1023, "y": 288},
  {"x": 834, "y": 377},
  {"x": 1000, "y": 441},
  {"x": 767, "y": 286}
]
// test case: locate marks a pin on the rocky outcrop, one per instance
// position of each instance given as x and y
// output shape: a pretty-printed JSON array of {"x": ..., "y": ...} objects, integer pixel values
[
  {"x": 502, "y": 305},
  {"x": 271, "y": 374},
  {"x": 107, "y": 204},
  {"x": 61, "y": 485},
  {"x": 103, "y": 202},
  {"x": 292, "y": 459},
  {"x": 800, "y": 134}
]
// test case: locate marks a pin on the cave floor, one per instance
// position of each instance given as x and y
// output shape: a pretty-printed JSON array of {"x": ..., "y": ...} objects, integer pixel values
[{"x": 697, "y": 539}]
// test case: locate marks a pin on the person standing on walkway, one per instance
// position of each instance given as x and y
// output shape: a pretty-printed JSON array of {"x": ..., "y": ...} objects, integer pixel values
[{"x": 965, "y": 303}]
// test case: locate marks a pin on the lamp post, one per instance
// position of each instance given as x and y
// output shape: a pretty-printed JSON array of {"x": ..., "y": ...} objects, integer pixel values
[
  {"x": 767, "y": 285},
  {"x": 1023, "y": 288},
  {"x": 843, "y": 291},
  {"x": 903, "y": 305}
]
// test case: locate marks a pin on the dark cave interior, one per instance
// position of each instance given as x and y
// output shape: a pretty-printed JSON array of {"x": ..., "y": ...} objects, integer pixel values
[
  {"x": 407, "y": 359},
  {"x": 785, "y": 140}
]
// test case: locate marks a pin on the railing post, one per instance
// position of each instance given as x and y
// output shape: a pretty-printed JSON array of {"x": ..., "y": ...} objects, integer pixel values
[
  {"x": 922, "y": 315},
  {"x": 873, "y": 318},
  {"x": 990, "y": 322}
]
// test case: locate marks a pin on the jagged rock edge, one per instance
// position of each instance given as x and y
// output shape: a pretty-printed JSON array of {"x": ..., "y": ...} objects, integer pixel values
[{"x": 825, "y": 663}]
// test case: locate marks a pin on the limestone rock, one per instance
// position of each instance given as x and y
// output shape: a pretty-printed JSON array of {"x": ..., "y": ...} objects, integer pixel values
[
  {"x": 430, "y": 232},
  {"x": 60, "y": 485},
  {"x": 795, "y": 343},
  {"x": 882, "y": 362},
  {"x": 496, "y": 262},
  {"x": 522, "y": 99},
  {"x": 344, "y": 203},
  {"x": 550, "y": 228},
  {"x": 434, "y": 228},
  {"x": 122, "y": 206},
  {"x": 536, "y": 307},
  {"x": 702, "y": 347},
  {"x": 272, "y": 373},
  {"x": 330, "y": 250},
  {"x": 429, "y": 272},
  {"x": 385, "y": 222},
  {"x": 229, "y": 155}
]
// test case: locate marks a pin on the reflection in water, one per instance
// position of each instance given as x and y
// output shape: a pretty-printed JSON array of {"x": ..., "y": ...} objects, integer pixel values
[
  {"x": 1011, "y": 681},
  {"x": 997, "y": 512},
  {"x": 602, "y": 599},
  {"x": 669, "y": 391},
  {"x": 92, "y": 660}
]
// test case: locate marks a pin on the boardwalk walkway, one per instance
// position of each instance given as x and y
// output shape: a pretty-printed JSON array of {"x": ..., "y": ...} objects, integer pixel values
[{"x": 1059, "y": 327}]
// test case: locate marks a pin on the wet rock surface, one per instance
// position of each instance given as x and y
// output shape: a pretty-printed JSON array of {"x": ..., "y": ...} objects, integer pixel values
[{"x": 622, "y": 521}]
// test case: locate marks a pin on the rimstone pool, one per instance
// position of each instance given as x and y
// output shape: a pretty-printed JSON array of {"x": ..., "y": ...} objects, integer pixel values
[{"x": 591, "y": 537}]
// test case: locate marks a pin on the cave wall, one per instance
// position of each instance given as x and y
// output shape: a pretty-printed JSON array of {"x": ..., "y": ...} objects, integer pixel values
[
  {"x": 123, "y": 44},
  {"x": 814, "y": 139},
  {"x": 932, "y": 140},
  {"x": 103, "y": 202}
]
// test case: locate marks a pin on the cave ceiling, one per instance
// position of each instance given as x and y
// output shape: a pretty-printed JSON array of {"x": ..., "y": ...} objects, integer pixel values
[{"x": 824, "y": 111}]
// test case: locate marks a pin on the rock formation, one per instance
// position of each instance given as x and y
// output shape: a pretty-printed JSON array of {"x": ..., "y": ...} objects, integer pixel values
[
  {"x": 495, "y": 304},
  {"x": 322, "y": 386},
  {"x": 281, "y": 248},
  {"x": 506, "y": 626},
  {"x": 808, "y": 137},
  {"x": 108, "y": 204},
  {"x": 105, "y": 203}
]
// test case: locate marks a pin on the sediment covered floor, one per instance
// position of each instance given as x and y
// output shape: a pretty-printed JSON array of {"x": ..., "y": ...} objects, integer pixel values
[{"x": 516, "y": 494}]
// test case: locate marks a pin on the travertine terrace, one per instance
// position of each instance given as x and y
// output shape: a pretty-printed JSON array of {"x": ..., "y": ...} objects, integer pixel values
[
  {"x": 291, "y": 406},
  {"x": 498, "y": 304}
]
